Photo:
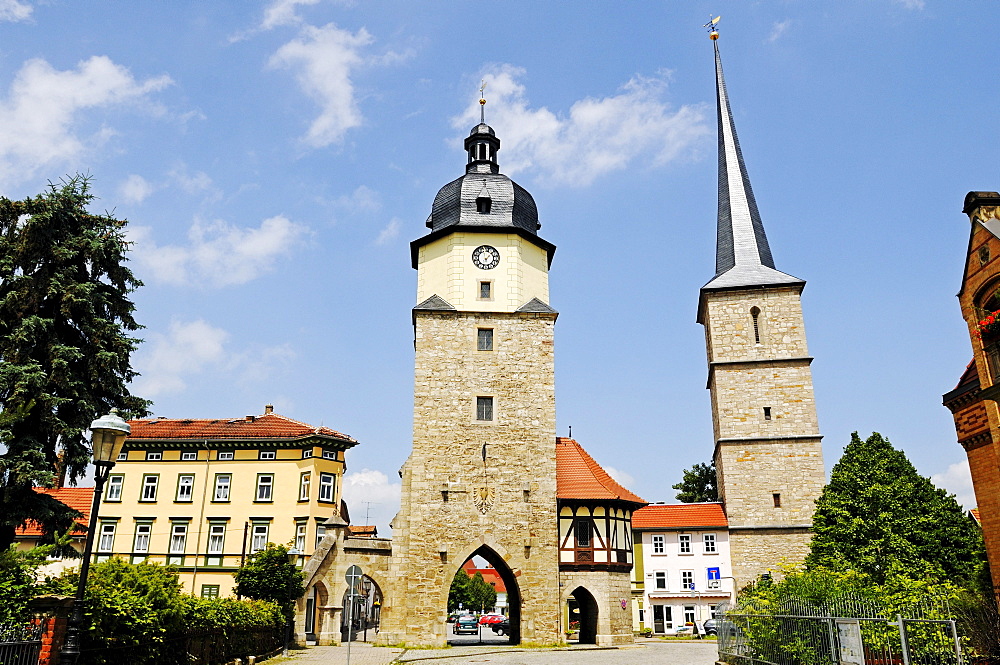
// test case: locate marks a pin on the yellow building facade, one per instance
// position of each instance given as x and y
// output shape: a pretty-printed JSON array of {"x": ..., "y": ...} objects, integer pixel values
[{"x": 202, "y": 495}]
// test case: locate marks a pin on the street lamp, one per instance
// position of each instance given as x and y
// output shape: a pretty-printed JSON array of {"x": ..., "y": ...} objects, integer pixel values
[{"x": 108, "y": 437}]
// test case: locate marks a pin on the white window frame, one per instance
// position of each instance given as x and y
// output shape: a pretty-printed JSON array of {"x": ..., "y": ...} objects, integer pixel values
[
  {"x": 687, "y": 580},
  {"x": 267, "y": 454},
  {"x": 304, "y": 480},
  {"x": 327, "y": 487},
  {"x": 122, "y": 456},
  {"x": 659, "y": 544},
  {"x": 153, "y": 457},
  {"x": 106, "y": 543},
  {"x": 185, "y": 488},
  {"x": 320, "y": 534},
  {"x": 265, "y": 488},
  {"x": 330, "y": 454},
  {"x": 178, "y": 538},
  {"x": 189, "y": 456},
  {"x": 115, "y": 485},
  {"x": 225, "y": 455},
  {"x": 150, "y": 484},
  {"x": 300, "y": 536},
  {"x": 689, "y": 614},
  {"x": 143, "y": 531},
  {"x": 660, "y": 580},
  {"x": 216, "y": 538},
  {"x": 684, "y": 543},
  {"x": 258, "y": 538},
  {"x": 307, "y": 453},
  {"x": 710, "y": 543},
  {"x": 227, "y": 486}
]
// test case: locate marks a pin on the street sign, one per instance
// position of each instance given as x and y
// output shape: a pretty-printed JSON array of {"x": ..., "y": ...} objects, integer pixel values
[
  {"x": 714, "y": 574},
  {"x": 353, "y": 579}
]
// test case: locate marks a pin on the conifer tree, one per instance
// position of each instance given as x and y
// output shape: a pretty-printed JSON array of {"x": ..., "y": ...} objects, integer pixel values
[
  {"x": 65, "y": 319},
  {"x": 880, "y": 517}
]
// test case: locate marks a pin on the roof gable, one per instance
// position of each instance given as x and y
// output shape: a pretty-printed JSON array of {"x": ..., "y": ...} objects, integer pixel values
[{"x": 578, "y": 476}]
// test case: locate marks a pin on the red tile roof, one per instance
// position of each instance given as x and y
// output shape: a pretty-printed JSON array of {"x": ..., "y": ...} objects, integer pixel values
[
  {"x": 490, "y": 575},
  {"x": 77, "y": 498},
  {"x": 360, "y": 531},
  {"x": 680, "y": 516},
  {"x": 578, "y": 476},
  {"x": 267, "y": 426},
  {"x": 975, "y": 516}
]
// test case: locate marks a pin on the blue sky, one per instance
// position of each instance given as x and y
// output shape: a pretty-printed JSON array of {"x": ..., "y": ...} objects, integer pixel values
[{"x": 275, "y": 159}]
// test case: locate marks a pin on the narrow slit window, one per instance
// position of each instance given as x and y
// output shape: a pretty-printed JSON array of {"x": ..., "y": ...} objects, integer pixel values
[
  {"x": 767, "y": 413},
  {"x": 755, "y": 315},
  {"x": 777, "y": 499}
]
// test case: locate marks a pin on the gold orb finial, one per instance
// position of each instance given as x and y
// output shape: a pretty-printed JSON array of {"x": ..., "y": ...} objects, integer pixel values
[
  {"x": 713, "y": 32},
  {"x": 713, "y": 35}
]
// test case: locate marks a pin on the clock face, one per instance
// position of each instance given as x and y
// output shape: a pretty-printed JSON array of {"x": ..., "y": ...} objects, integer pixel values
[{"x": 485, "y": 257}]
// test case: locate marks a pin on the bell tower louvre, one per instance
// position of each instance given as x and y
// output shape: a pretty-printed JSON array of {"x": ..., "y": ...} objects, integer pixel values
[{"x": 768, "y": 452}]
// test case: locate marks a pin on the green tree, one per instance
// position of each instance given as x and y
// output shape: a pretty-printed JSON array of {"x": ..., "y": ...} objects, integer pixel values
[
  {"x": 878, "y": 516},
  {"x": 65, "y": 319},
  {"x": 699, "y": 484},
  {"x": 483, "y": 596},
  {"x": 268, "y": 575},
  {"x": 460, "y": 593},
  {"x": 17, "y": 581}
]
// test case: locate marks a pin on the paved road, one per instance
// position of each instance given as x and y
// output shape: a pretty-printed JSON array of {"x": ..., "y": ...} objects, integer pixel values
[{"x": 646, "y": 652}]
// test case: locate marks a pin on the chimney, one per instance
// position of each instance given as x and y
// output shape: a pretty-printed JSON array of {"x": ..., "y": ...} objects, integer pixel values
[{"x": 268, "y": 408}]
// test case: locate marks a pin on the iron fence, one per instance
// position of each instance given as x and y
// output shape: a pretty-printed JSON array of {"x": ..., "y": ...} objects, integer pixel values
[
  {"x": 848, "y": 631},
  {"x": 195, "y": 648},
  {"x": 20, "y": 644}
]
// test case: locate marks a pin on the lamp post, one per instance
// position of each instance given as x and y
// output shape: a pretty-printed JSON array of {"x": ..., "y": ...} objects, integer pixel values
[
  {"x": 293, "y": 558},
  {"x": 108, "y": 437}
]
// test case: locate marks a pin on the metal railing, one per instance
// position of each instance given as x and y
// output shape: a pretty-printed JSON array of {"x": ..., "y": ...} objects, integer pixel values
[
  {"x": 847, "y": 630},
  {"x": 20, "y": 644},
  {"x": 196, "y": 648}
]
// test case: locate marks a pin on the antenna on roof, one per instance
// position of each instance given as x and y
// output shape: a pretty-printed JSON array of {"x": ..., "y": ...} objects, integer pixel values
[
  {"x": 571, "y": 431},
  {"x": 482, "y": 103}
]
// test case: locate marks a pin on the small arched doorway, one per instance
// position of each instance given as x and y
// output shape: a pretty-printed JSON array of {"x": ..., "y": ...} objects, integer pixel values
[
  {"x": 507, "y": 603},
  {"x": 583, "y": 615},
  {"x": 315, "y": 598},
  {"x": 362, "y": 612}
]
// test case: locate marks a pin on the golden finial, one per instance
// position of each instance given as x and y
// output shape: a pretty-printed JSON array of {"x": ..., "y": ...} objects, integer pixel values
[
  {"x": 713, "y": 33},
  {"x": 482, "y": 103}
]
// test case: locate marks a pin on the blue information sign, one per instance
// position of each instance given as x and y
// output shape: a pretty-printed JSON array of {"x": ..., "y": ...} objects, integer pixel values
[{"x": 713, "y": 574}]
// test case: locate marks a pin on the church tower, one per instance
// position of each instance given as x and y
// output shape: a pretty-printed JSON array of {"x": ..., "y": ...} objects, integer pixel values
[
  {"x": 481, "y": 477},
  {"x": 768, "y": 453}
]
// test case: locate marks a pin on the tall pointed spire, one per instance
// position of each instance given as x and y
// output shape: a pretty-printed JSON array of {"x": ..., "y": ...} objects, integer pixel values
[{"x": 742, "y": 256}]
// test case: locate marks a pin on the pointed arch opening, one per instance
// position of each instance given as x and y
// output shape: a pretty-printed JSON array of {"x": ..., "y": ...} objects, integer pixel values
[
  {"x": 582, "y": 611},
  {"x": 359, "y": 620},
  {"x": 496, "y": 622}
]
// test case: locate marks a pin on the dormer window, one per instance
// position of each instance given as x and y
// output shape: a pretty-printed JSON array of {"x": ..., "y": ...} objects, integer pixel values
[{"x": 483, "y": 204}]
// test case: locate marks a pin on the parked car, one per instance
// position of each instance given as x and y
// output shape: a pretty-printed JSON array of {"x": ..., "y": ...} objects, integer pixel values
[
  {"x": 465, "y": 624},
  {"x": 488, "y": 619},
  {"x": 711, "y": 627},
  {"x": 501, "y": 628},
  {"x": 451, "y": 618}
]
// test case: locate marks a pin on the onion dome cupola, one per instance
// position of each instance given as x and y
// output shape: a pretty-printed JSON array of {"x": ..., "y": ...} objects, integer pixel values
[{"x": 483, "y": 251}]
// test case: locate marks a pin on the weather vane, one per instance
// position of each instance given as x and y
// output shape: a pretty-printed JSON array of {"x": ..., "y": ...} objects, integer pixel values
[
  {"x": 713, "y": 32},
  {"x": 482, "y": 103}
]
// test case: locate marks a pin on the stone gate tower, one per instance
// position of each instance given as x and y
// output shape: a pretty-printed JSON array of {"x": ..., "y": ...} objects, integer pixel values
[
  {"x": 768, "y": 452},
  {"x": 481, "y": 478}
]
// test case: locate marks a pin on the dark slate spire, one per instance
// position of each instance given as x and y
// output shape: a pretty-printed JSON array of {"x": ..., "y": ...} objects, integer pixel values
[{"x": 742, "y": 255}]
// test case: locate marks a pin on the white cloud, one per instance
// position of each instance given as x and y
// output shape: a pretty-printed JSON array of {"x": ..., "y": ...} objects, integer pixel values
[
  {"x": 370, "y": 496},
  {"x": 282, "y": 12},
  {"x": 362, "y": 199},
  {"x": 197, "y": 183},
  {"x": 323, "y": 59},
  {"x": 218, "y": 253},
  {"x": 135, "y": 189},
  {"x": 42, "y": 107},
  {"x": 389, "y": 232},
  {"x": 185, "y": 350},
  {"x": 957, "y": 480},
  {"x": 779, "y": 29},
  {"x": 597, "y": 137},
  {"x": 620, "y": 477},
  {"x": 911, "y": 4},
  {"x": 12, "y": 10}
]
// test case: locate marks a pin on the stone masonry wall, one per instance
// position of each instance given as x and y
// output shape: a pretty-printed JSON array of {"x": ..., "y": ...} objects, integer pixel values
[
  {"x": 614, "y": 622},
  {"x": 757, "y": 551},
  {"x": 730, "y": 326},
  {"x": 440, "y": 523}
]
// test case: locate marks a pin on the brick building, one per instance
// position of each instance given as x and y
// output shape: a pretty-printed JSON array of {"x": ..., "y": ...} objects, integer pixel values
[{"x": 973, "y": 402}]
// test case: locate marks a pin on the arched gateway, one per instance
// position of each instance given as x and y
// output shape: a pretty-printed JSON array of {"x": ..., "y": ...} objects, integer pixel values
[{"x": 482, "y": 476}]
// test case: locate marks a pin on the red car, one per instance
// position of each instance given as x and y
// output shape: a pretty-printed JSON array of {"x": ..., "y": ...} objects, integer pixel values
[{"x": 488, "y": 619}]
